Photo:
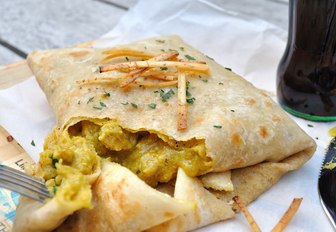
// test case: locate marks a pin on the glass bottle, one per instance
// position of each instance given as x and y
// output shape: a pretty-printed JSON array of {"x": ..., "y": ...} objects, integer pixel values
[{"x": 306, "y": 75}]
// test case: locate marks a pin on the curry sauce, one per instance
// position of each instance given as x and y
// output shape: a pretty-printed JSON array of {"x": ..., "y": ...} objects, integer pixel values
[{"x": 155, "y": 158}]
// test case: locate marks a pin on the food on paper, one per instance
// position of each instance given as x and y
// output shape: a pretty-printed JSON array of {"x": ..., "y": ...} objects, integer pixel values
[{"x": 147, "y": 132}]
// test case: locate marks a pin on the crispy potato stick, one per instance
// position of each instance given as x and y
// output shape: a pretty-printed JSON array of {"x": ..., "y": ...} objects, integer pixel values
[
  {"x": 133, "y": 74},
  {"x": 287, "y": 217},
  {"x": 153, "y": 72},
  {"x": 182, "y": 103},
  {"x": 152, "y": 84},
  {"x": 98, "y": 80},
  {"x": 126, "y": 52},
  {"x": 183, "y": 66},
  {"x": 161, "y": 77},
  {"x": 253, "y": 224},
  {"x": 192, "y": 61}
]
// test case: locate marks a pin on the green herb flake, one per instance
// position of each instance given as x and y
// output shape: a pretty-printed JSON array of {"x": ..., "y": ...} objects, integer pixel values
[
  {"x": 167, "y": 95},
  {"x": 54, "y": 161},
  {"x": 162, "y": 50},
  {"x": 102, "y": 104},
  {"x": 32, "y": 143},
  {"x": 145, "y": 47},
  {"x": 210, "y": 58},
  {"x": 160, "y": 41},
  {"x": 97, "y": 107},
  {"x": 90, "y": 100},
  {"x": 182, "y": 48},
  {"x": 310, "y": 125},
  {"x": 189, "y": 57},
  {"x": 54, "y": 189},
  {"x": 191, "y": 100},
  {"x": 161, "y": 91},
  {"x": 163, "y": 68},
  {"x": 217, "y": 126},
  {"x": 78, "y": 102},
  {"x": 126, "y": 58},
  {"x": 124, "y": 103},
  {"x": 221, "y": 83},
  {"x": 107, "y": 94},
  {"x": 205, "y": 81},
  {"x": 152, "y": 105},
  {"x": 227, "y": 68},
  {"x": 188, "y": 94},
  {"x": 134, "y": 105}
]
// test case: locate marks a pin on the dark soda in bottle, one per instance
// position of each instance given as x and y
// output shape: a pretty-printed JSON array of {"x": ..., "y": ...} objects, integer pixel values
[{"x": 306, "y": 76}]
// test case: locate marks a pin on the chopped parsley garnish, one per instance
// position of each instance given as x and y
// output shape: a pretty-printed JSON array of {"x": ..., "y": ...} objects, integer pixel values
[
  {"x": 217, "y": 126},
  {"x": 134, "y": 105},
  {"x": 161, "y": 92},
  {"x": 97, "y": 107},
  {"x": 54, "y": 189},
  {"x": 124, "y": 103},
  {"x": 191, "y": 100},
  {"x": 210, "y": 58},
  {"x": 205, "y": 81},
  {"x": 145, "y": 47},
  {"x": 227, "y": 68},
  {"x": 78, "y": 102},
  {"x": 182, "y": 48},
  {"x": 163, "y": 68},
  {"x": 126, "y": 58},
  {"x": 310, "y": 125},
  {"x": 188, "y": 94},
  {"x": 107, "y": 94},
  {"x": 32, "y": 143},
  {"x": 167, "y": 95},
  {"x": 162, "y": 50},
  {"x": 90, "y": 100},
  {"x": 189, "y": 57},
  {"x": 54, "y": 161},
  {"x": 232, "y": 110},
  {"x": 152, "y": 105},
  {"x": 102, "y": 104},
  {"x": 160, "y": 41},
  {"x": 221, "y": 83}
]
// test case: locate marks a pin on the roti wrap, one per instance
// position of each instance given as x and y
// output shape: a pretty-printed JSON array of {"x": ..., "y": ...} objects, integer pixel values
[{"x": 231, "y": 125}]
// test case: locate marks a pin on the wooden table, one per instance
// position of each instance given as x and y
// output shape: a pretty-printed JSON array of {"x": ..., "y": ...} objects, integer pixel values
[{"x": 42, "y": 24}]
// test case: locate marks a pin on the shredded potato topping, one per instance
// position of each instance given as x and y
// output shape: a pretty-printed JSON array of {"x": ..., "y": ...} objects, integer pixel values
[{"x": 161, "y": 70}]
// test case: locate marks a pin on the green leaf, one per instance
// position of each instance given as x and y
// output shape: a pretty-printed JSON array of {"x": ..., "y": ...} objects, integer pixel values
[
  {"x": 102, "y": 104},
  {"x": 32, "y": 143},
  {"x": 191, "y": 100},
  {"x": 217, "y": 126},
  {"x": 189, "y": 57},
  {"x": 152, "y": 105},
  {"x": 134, "y": 105},
  {"x": 167, "y": 95}
]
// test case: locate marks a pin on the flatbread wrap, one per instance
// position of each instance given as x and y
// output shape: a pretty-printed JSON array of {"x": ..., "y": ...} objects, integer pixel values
[{"x": 154, "y": 135}]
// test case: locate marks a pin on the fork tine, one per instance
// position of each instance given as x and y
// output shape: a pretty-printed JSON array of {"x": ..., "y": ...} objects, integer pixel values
[
  {"x": 26, "y": 185},
  {"x": 21, "y": 174},
  {"x": 30, "y": 181},
  {"x": 22, "y": 191},
  {"x": 38, "y": 189}
]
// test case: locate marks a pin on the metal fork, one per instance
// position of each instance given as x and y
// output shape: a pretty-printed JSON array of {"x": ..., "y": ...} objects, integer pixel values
[{"x": 23, "y": 184}]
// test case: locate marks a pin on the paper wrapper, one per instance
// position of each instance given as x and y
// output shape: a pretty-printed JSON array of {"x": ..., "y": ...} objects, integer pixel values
[{"x": 251, "y": 47}]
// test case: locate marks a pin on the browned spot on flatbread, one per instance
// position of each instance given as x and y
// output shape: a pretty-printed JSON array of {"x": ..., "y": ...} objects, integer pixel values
[
  {"x": 168, "y": 214},
  {"x": 263, "y": 132},
  {"x": 268, "y": 103},
  {"x": 250, "y": 101},
  {"x": 78, "y": 54},
  {"x": 198, "y": 121},
  {"x": 236, "y": 139},
  {"x": 10, "y": 138},
  {"x": 239, "y": 162},
  {"x": 276, "y": 118}
]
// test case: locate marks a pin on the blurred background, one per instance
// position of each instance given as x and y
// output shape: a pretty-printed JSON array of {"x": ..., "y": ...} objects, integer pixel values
[{"x": 42, "y": 24}]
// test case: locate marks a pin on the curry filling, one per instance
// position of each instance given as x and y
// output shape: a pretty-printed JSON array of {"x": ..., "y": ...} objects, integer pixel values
[{"x": 153, "y": 157}]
